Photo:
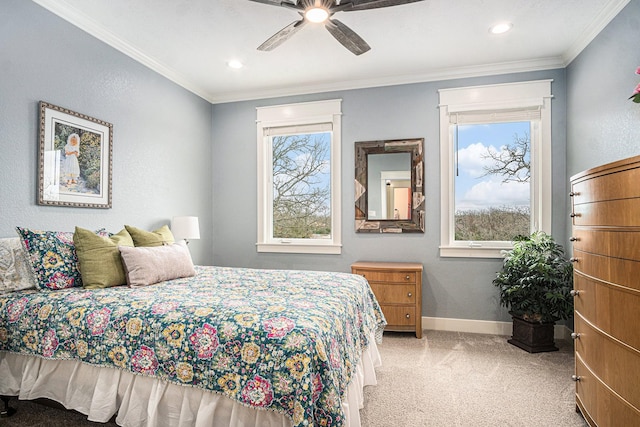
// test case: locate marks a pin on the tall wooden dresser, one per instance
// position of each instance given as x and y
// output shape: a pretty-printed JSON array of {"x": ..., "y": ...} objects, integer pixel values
[
  {"x": 606, "y": 256},
  {"x": 398, "y": 289}
]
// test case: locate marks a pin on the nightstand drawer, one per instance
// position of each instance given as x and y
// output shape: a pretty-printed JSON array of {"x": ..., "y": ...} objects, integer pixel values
[
  {"x": 399, "y": 315},
  {"x": 394, "y": 294},
  {"x": 388, "y": 276}
]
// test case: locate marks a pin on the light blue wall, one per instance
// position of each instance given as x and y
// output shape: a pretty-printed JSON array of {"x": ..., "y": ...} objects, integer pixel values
[
  {"x": 161, "y": 132},
  {"x": 453, "y": 288},
  {"x": 602, "y": 124},
  {"x": 164, "y": 163}
]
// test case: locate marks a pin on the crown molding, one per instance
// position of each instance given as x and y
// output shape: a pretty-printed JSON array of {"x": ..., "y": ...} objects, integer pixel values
[
  {"x": 435, "y": 75},
  {"x": 606, "y": 15}
]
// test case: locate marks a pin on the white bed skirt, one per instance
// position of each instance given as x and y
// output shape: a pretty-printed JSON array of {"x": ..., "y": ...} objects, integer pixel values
[{"x": 140, "y": 401}]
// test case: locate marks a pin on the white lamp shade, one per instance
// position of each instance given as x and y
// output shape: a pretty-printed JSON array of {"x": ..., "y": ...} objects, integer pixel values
[{"x": 185, "y": 227}]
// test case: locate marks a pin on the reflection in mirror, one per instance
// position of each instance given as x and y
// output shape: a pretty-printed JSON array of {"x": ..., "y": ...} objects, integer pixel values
[
  {"x": 389, "y": 186},
  {"x": 389, "y": 193}
]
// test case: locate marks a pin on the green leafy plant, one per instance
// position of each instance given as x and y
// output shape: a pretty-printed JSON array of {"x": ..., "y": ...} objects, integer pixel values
[{"x": 536, "y": 279}]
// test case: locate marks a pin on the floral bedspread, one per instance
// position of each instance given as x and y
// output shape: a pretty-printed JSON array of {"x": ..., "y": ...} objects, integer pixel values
[{"x": 282, "y": 340}]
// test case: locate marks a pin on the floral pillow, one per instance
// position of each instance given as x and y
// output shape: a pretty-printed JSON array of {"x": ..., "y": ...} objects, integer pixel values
[
  {"x": 52, "y": 256},
  {"x": 15, "y": 272}
]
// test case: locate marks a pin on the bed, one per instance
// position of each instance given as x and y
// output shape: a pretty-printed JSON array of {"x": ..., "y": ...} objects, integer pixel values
[{"x": 227, "y": 346}]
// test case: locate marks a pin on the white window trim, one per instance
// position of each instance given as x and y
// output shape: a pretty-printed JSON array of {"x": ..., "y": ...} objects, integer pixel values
[
  {"x": 507, "y": 96},
  {"x": 306, "y": 113}
]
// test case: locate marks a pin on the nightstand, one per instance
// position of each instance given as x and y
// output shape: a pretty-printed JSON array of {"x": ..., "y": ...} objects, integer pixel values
[{"x": 398, "y": 289}]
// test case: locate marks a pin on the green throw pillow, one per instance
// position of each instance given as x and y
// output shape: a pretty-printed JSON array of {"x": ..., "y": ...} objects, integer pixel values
[
  {"x": 99, "y": 259},
  {"x": 160, "y": 237}
]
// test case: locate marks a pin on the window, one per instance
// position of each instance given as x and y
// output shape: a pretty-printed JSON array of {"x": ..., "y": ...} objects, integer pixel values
[
  {"x": 496, "y": 166},
  {"x": 299, "y": 178}
]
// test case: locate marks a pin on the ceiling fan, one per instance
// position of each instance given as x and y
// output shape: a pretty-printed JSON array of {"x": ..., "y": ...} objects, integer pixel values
[{"x": 321, "y": 11}]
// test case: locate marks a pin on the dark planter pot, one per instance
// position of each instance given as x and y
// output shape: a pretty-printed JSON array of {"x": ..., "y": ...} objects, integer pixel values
[{"x": 534, "y": 337}]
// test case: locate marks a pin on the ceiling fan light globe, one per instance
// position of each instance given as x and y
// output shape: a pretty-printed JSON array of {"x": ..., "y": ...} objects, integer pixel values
[{"x": 317, "y": 14}]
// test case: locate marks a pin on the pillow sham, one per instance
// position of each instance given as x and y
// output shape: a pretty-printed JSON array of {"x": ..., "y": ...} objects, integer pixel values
[
  {"x": 149, "y": 265},
  {"x": 52, "y": 258},
  {"x": 15, "y": 272},
  {"x": 99, "y": 259},
  {"x": 161, "y": 236}
]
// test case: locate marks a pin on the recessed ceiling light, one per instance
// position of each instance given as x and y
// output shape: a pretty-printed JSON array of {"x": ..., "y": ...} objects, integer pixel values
[
  {"x": 235, "y": 64},
  {"x": 501, "y": 28}
]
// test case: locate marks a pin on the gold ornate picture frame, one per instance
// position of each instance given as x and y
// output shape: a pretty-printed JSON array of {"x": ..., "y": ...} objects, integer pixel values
[{"x": 74, "y": 159}]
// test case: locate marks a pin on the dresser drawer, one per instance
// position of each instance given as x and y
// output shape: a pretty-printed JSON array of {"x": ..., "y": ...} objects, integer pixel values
[
  {"x": 399, "y": 315},
  {"x": 611, "y": 362},
  {"x": 619, "y": 213},
  {"x": 396, "y": 294},
  {"x": 388, "y": 276},
  {"x": 621, "y": 243},
  {"x": 619, "y": 271},
  {"x": 602, "y": 406},
  {"x": 609, "y": 308},
  {"x": 607, "y": 187}
]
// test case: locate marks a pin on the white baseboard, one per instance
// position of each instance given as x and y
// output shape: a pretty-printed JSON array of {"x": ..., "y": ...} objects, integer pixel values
[{"x": 481, "y": 326}]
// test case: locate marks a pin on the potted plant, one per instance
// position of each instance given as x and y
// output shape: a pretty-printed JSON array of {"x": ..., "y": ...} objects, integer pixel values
[{"x": 535, "y": 283}]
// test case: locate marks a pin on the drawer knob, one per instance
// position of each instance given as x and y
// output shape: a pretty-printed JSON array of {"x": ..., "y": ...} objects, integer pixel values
[
  {"x": 574, "y": 193},
  {"x": 575, "y": 336},
  {"x": 574, "y": 292},
  {"x": 409, "y": 294},
  {"x": 573, "y": 239},
  {"x": 573, "y": 259},
  {"x": 408, "y": 277},
  {"x": 574, "y": 215},
  {"x": 408, "y": 316},
  {"x": 575, "y": 378}
]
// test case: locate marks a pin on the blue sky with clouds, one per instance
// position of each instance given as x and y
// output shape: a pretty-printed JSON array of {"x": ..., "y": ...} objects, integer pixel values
[{"x": 474, "y": 191}]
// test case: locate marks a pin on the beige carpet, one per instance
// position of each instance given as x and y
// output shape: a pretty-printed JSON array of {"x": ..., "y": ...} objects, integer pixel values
[
  {"x": 446, "y": 379},
  {"x": 450, "y": 379}
]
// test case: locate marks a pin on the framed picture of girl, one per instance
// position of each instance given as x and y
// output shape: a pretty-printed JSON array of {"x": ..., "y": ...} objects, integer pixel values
[{"x": 74, "y": 161}]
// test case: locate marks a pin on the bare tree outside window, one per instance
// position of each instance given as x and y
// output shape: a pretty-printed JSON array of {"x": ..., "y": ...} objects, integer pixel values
[
  {"x": 301, "y": 186},
  {"x": 493, "y": 201}
]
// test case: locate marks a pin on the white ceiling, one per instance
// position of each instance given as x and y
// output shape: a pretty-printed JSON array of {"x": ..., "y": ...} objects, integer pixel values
[{"x": 191, "y": 41}]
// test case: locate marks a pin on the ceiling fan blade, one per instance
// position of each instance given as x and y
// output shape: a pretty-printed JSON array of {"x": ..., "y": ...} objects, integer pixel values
[
  {"x": 273, "y": 2},
  {"x": 376, "y": 4},
  {"x": 347, "y": 37},
  {"x": 281, "y": 36}
]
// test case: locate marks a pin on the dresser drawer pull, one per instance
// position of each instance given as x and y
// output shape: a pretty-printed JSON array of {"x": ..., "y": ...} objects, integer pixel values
[
  {"x": 573, "y": 215},
  {"x": 576, "y": 378},
  {"x": 574, "y": 292},
  {"x": 409, "y": 294},
  {"x": 574, "y": 193},
  {"x": 573, "y": 259},
  {"x": 575, "y": 336},
  {"x": 408, "y": 316},
  {"x": 574, "y": 239},
  {"x": 408, "y": 277}
]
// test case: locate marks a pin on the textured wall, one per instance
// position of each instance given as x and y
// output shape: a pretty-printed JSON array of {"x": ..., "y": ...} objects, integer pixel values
[
  {"x": 602, "y": 124},
  {"x": 161, "y": 139},
  {"x": 453, "y": 287}
]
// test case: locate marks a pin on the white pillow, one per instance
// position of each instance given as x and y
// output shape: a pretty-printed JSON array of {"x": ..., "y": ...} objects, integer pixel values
[
  {"x": 148, "y": 265},
  {"x": 15, "y": 271}
]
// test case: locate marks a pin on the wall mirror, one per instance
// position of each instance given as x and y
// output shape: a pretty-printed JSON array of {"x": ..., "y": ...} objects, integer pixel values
[{"x": 389, "y": 179}]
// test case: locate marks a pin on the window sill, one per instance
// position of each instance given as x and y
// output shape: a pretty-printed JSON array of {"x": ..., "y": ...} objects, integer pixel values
[
  {"x": 298, "y": 248},
  {"x": 466, "y": 252}
]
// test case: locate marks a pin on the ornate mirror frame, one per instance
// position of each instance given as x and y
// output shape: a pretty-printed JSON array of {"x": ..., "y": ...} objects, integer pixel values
[{"x": 416, "y": 223}]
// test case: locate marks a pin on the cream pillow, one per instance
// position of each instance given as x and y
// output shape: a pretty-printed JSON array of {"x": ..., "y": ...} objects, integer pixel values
[
  {"x": 15, "y": 271},
  {"x": 148, "y": 265}
]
